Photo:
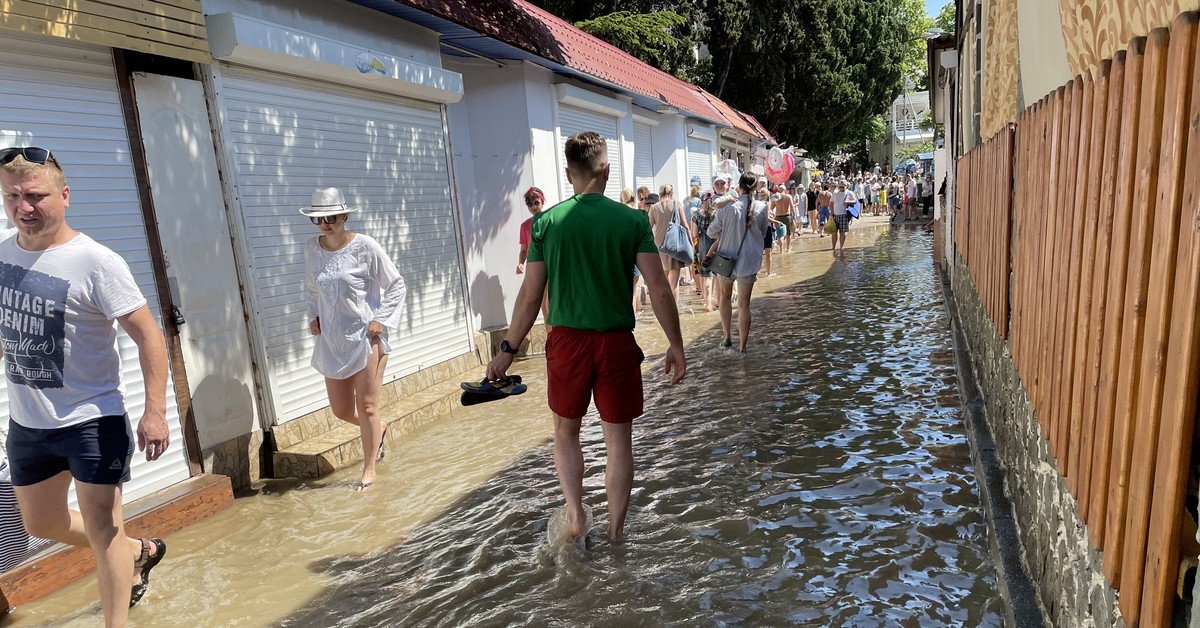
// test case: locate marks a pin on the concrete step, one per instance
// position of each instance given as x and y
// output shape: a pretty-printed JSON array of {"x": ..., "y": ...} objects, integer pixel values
[{"x": 341, "y": 446}]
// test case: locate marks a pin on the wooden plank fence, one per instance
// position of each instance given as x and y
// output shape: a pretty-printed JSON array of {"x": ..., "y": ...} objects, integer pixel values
[
  {"x": 1080, "y": 227},
  {"x": 981, "y": 233}
]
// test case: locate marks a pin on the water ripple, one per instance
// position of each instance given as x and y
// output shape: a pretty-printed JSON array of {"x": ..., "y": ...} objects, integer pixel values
[{"x": 823, "y": 478}]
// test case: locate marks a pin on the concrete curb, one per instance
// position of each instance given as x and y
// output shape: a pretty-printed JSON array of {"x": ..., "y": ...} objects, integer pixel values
[{"x": 1016, "y": 587}]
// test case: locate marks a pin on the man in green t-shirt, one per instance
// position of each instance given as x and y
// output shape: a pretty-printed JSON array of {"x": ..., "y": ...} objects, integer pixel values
[{"x": 584, "y": 250}]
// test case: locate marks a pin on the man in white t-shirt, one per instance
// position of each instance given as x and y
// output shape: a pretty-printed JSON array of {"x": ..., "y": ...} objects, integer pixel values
[
  {"x": 62, "y": 296},
  {"x": 842, "y": 200}
]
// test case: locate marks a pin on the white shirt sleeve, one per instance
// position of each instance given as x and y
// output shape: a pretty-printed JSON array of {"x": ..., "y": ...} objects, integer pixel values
[
  {"x": 114, "y": 289},
  {"x": 390, "y": 286},
  {"x": 310, "y": 281}
]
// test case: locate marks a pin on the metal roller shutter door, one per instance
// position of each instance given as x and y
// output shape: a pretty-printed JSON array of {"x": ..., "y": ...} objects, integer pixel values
[
  {"x": 388, "y": 155},
  {"x": 700, "y": 161},
  {"x": 643, "y": 156},
  {"x": 63, "y": 96},
  {"x": 572, "y": 120}
]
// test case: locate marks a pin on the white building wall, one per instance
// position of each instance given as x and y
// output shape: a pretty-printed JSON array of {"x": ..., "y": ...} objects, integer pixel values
[
  {"x": 341, "y": 21},
  {"x": 670, "y": 151},
  {"x": 492, "y": 173},
  {"x": 542, "y": 109},
  {"x": 625, "y": 127}
]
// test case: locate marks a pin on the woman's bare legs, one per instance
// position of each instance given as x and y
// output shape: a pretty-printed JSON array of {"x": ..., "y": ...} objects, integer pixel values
[
  {"x": 725, "y": 305},
  {"x": 673, "y": 278},
  {"x": 744, "y": 291},
  {"x": 355, "y": 400}
]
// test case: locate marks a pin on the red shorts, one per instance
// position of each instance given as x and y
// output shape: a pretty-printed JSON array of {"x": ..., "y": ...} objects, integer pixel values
[{"x": 584, "y": 364}]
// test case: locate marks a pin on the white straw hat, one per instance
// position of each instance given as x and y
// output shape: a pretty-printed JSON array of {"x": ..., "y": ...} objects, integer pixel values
[{"x": 327, "y": 202}]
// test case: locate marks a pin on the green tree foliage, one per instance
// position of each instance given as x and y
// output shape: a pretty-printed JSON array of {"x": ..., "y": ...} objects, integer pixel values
[
  {"x": 911, "y": 152},
  {"x": 647, "y": 36},
  {"x": 815, "y": 72},
  {"x": 945, "y": 19},
  {"x": 916, "y": 23}
]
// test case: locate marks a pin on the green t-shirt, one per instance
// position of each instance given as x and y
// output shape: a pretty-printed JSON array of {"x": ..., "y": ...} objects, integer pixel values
[{"x": 589, "y": 244}]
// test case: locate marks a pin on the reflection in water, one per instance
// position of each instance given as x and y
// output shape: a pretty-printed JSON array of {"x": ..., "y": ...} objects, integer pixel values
[{"x": 823, "y": 478}]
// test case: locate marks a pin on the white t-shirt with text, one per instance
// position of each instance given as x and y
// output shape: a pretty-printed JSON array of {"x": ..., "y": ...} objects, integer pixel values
[{"x": 58, "y": 311}]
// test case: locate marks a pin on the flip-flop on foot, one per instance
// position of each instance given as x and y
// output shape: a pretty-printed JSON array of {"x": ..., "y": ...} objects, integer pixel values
[
  {"x": 142, "y": 566},
  {"x": 487, "y": 390},
  {"x": 361, "y": 486}
]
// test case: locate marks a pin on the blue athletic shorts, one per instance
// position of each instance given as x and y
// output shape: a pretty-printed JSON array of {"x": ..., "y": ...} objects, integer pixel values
[{"x": 98, "y": 451}]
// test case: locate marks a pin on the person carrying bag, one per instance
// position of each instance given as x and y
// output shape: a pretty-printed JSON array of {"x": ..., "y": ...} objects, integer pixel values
[
  {"x": 723, "y": 265},
  {"x": 677, "y": 243},
  {"x": 731, "y": 264}
]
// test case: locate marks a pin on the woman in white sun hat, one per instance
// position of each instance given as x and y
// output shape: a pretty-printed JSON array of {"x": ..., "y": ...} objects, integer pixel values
[{"x": 354, "y": 294}]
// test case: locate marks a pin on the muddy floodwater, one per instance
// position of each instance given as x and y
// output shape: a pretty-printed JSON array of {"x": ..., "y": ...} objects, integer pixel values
[{"x": 822, "y": 479}]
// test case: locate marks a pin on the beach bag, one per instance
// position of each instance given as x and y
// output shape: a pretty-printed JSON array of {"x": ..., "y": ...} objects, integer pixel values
[
  {"x": 804, "y": 220},
  {"x": 780, "y": 232},
  {"x": 831, "y": 226},
  {"x": 677, "y": 244}
]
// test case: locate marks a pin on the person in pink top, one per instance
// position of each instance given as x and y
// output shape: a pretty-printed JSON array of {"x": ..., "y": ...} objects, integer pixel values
[{"x": 535, "y": 201}]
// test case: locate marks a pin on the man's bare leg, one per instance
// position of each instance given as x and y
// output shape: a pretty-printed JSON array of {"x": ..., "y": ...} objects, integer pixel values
[
  {"x": 45, "y": 515},
  {"x": 568, "y": 462},
  {"x": 618, "y": 476},
  {"x": 100, "y": 506}
]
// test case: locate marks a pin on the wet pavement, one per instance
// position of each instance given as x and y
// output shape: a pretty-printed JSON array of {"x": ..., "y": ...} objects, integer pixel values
[{"x": 823, "y": 478}]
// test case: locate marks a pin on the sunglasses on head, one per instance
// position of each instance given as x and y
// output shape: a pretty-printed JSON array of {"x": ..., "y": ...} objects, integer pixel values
[
  {"x": 32, "y": 154},
  {"x": 324, "y": 220}
]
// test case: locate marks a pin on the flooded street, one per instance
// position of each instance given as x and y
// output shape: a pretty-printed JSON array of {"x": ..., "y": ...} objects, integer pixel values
[{"x": 823, "y": 478}]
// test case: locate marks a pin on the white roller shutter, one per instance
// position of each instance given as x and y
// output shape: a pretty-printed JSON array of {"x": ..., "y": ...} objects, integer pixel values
[
  {"x": 572, "y": 120},
  {"x": 643, "y": 156},
  {"x": 388, "y": 155},
  {"x": 63, "y": 96},
  {"x": 700, "y": 161}
]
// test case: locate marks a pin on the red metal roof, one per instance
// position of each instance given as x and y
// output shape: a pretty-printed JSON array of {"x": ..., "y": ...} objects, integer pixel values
[
  {"x": 732, "y": 115},
  {"x": 760, "y": 130},
  {"x": 530, "y": 28}
]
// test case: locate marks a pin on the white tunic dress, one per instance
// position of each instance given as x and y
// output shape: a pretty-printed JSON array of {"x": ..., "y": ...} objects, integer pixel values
[{"x": 347, "y": 289}]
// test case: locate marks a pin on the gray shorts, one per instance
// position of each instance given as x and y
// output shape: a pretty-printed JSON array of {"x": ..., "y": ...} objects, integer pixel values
[{"x": 747, "y": 279}]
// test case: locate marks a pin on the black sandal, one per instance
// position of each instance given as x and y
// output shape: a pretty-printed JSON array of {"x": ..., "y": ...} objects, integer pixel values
[
  {"x": 382, "y": 444},
  {"x": 142, "y": 566}
]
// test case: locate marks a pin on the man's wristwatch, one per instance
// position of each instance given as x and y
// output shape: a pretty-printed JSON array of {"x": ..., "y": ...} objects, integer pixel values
[{"x": 507, "y": 348}]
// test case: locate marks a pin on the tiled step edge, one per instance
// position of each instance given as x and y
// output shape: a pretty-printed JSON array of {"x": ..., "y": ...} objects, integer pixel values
[{"x": 341, "y": 446}]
